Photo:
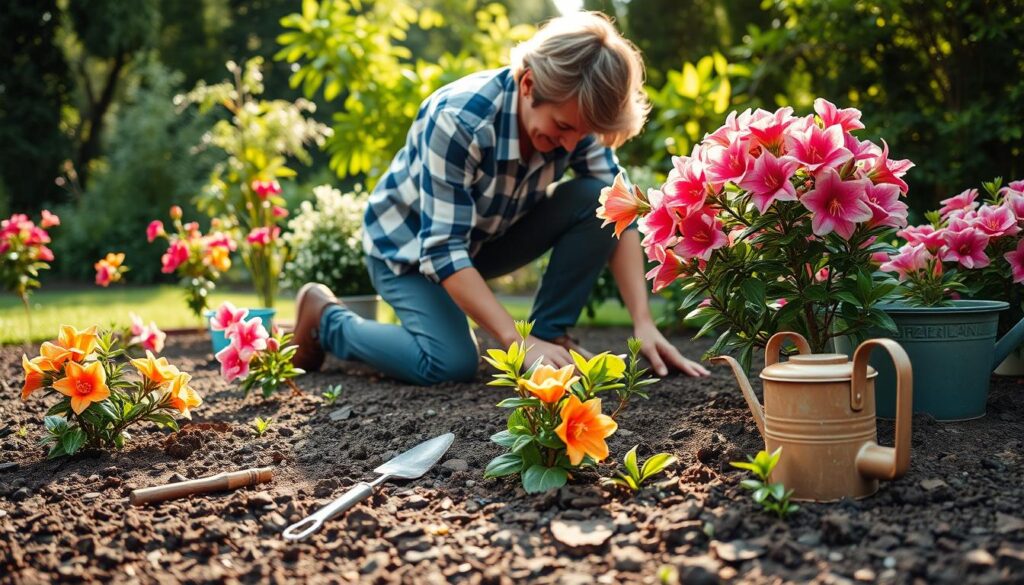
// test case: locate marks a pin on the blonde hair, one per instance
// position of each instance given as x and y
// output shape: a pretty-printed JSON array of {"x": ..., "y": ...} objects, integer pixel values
[{"x": 582, "y": 56}]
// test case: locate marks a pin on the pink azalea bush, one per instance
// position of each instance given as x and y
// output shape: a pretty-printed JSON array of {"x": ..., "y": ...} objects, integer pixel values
[
  {"x": 969, "y": 248},
  {"x": 254, "y": 355},
  {"x": 148, "y": 337},
  {"x": 771, "y": 224},
  {"x": 198, "y": 259},
  {"x": 24, "y": 252}
]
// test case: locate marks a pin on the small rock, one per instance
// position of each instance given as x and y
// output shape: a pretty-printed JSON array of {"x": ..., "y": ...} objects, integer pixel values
[
  {"x": 736, "y": 551},
  {"x": 456, "y": 465},
  {"x": 415, "y": 502},
  {"x": 374, "y": 562},
  {"x": 359, "y": 453},
  {"x": 864, "y": 574},
  {"x": 691, "y": 510},
  {"x": 285, "y": 432},
  {"x": 90, "y": 496},
  {"x": 932, "y": 484},
  {"x": 835, "y": 556},
  {"x": 342, "y": 413},
  {"x": 1011, "y": 558},
  {"x": 1006, "y": 524},
  {"x": 325, "y": 487},
  {"x": 415, "y": 556},
  {"x": 274, "y": 522},
  {"x": 472, "y": 506},
  {"x": 20, "y": 494},
  {"x": 628, "y": 558},
  {"x": 430, "y": 412},
  {"x": 702, "y": 570},
  {"x": 836, "y": 529},
  {"x": 259, "y": 500},
  {"x": 809, "y": 539},
  {"x": 470, "y": 483},
  {"x": 503, "y": 539},
  {"x": 177, "y": 478},
  {"x": 582, "y": 533},
  {"x": 980, "y": 557},
  {"x": 889, "y": 562}
]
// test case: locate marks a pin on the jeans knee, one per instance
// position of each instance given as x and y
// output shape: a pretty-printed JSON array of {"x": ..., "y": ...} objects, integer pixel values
[
  {"x": 581, "y": 194},
  {"x": 455, "y": 366}
]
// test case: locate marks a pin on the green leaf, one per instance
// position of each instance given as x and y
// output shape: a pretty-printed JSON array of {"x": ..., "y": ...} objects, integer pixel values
[
  {"x": 62, "y": 407},
  {"x": 656, "y": 464},
  {"x": 550, "y": 440},
  {"x": 521, "y": 442},
  {"x": 752, "y": 484},
  {"x": 164, "y": 420},
  {"x": 502, "y": 465},
  {"x": 777, "y": 490},
  {"x": 56, "y": 451},
  {"x": 519, "y": 402},
  {"x": 504, "y": 438},
  {"x": 537, "y": 478},
  {"x": 55, "y": 424},
  {"x": 72, "y": 440},
  {"x": 630, "y": 463},
  {"x": 760, "y": 494},
  {"x": 754, "y": 291}
]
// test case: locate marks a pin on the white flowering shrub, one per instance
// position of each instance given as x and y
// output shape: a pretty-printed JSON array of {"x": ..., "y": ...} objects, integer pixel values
[{"x": 326, "y": 239}]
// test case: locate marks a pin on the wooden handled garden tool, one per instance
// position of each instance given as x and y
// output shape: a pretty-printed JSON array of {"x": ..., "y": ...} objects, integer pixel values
[
  {"x": 411, "y": 464},
  {"x": 214, "y": 483}
]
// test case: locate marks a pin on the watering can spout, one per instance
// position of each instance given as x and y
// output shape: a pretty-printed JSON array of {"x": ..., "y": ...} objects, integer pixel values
[
  {"x": 1008, "y": 343},
  {"x": 748, "y": 391}
]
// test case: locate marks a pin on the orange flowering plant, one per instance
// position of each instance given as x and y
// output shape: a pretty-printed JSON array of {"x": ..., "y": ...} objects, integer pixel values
[
  {"x": 99, "y": 400},
  {"x": 556, "y": 424}
]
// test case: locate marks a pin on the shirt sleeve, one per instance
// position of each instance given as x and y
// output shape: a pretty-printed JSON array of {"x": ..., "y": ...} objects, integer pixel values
[
  {"x": 447, "y": 208},
  {"x": 590, "y": 158}
]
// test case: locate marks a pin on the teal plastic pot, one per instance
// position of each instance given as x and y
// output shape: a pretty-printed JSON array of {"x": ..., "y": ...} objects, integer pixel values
[
  {"x": 266, "y": 316},
  {"x": 953, "y": 350}
]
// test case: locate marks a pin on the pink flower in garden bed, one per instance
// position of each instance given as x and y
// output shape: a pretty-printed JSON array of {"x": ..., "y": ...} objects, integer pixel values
[
  {"x": 967, "y": 247},
  {"x": 965, "y": 201},
  {"x": 837, "y": 205}
]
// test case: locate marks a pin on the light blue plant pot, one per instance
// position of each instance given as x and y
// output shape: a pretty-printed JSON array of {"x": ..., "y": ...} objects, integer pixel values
[{"x": 266, "y": 316}]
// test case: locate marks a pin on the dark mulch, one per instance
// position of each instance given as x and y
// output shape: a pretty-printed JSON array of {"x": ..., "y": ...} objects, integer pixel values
[{"x": 955, "y": 518}]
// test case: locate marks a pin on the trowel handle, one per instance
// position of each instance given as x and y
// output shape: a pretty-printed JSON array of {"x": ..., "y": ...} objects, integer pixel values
[
  {"x": 873, "y": 460},
  {"x": 771, "y": 350},
  {"x": 300, "y": 530}
]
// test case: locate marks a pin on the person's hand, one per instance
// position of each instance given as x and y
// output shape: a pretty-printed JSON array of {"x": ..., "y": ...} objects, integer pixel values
[
  {"x": 658, "y": 351},
  {"x": 552, "y": 353}
]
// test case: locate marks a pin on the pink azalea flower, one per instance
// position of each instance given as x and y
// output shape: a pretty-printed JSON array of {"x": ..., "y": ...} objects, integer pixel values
[
  {"x": 728, "y": 163},
  {"x": 924, "y": 234},
  {"x": 221, "y": 239},
  {"x": 150, "y": 338},
  {"x": 49, "y": 220},
  {"x": 35, "y": 236},
  {"x": 1015, "y": 201},
  {"x": 621, "y": 204},
  {"x": 996, "y": 221},
  {"x": 249, "y": 337},
  {"x": 769, "y": 132},
  {"x": 262, "y": 236},
  {"x": 273, "y": 344},
  {"x": 735, "y": 127},
  {"x": 822, "y": 275},
  {"x": 861, "y": 149},
  {"x": 227, "y": 316},
  {"x": 280, "y": 211},
  {"x": 885, "y": 204},
  {"x": 837, "y": 205},
  {"x": 883, "y": 170},
  {"x": 659, "y": 226},
  {"x": 848, "y": 118},
  {"x": 964, "y": 201},
  {"x": 264, "y": 189},
  {"x": 686, "y": 189},
  {"x": 104, "y": 273},
  {"x": 45, "y": 254},
  {"x": 966, "y": 247},
  {"x": 137, "y": 324},
  {"x": 232, "y": 364},
  {"x": 667, "y": 271},
  {"x": 910, "y": 259},
  {"x": 1016, "y": 260},
  {"x": 154, "y": 230},
  {"x": 175, "y": 256},
  {"x": 817, "y": 148},
  {"x": 700, "y": 234},
  {"x": 769, "y": 180}
]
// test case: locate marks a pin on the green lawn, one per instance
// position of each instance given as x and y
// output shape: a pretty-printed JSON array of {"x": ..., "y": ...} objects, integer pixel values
[{"x": 165, "y": 304}]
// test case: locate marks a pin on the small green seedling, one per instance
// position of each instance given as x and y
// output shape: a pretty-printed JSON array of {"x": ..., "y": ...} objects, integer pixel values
[
  {"x": 635, "y": 476},
  {"x": 260, "y": 425},
  {"x": 332, "y": 394},
  {"x": 22, "y": 431},
  {"x": 772, "y": 496}
]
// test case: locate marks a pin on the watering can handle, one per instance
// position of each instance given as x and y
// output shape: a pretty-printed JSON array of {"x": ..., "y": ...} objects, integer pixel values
[
  {"x": 771, "y": 351},
  {"x": 874, "y": 460}
]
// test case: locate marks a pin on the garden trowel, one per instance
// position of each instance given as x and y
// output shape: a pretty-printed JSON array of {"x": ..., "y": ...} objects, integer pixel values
[{"x": 409, "y": 465}]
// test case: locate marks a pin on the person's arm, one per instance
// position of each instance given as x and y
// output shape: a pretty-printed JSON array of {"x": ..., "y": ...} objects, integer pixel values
[
  {"x": 627, "y": 266},
  {"x": 471, "y": 293}
]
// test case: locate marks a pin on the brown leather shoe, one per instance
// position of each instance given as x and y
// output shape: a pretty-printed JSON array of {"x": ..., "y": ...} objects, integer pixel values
[
  {"x": 569, "y": 343},
  {"x": 310, "y": 303}
]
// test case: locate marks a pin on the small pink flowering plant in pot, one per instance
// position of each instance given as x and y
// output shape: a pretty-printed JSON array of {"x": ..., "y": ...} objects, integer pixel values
[
  {"x": 254, "y": 355},
  {"x": 198, "y": 259},
  {"x": 770, "y": 224},
  {"x": 970, "y": 248}
]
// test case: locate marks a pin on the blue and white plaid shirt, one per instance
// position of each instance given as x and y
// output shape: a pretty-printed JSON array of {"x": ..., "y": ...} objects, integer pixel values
[{"x": 459, "y": 181}]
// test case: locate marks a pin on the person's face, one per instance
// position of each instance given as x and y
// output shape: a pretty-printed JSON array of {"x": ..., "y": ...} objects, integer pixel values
[{"x": 548, "y": 125}]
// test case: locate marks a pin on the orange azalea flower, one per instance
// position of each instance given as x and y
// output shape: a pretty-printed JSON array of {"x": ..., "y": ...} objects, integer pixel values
[
  {"x": 182, "y": 396},
  {"x": 219, "y": 257},
  {"x": 157, "y": 370},
  {"x": 33, "y": 376},
  {"x": 550, "y": 384},
  {"x": 84, "y": 385},
  {"x": 79, "y": 343},
  {"x": 52, "y": 356},
  {"x": 584, "y": 429},
  {"x": 621, "y": 205}
]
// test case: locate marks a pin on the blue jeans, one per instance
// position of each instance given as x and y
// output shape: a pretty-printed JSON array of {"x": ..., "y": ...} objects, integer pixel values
[{"x": 434, "y": 342}]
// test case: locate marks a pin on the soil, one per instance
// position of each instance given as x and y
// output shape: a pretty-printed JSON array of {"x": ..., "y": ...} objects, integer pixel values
[{"x": 954, "y": 518}]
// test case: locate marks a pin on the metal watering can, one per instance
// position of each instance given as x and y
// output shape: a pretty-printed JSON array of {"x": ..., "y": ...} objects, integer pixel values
[{"x": 820, "y": 408}]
